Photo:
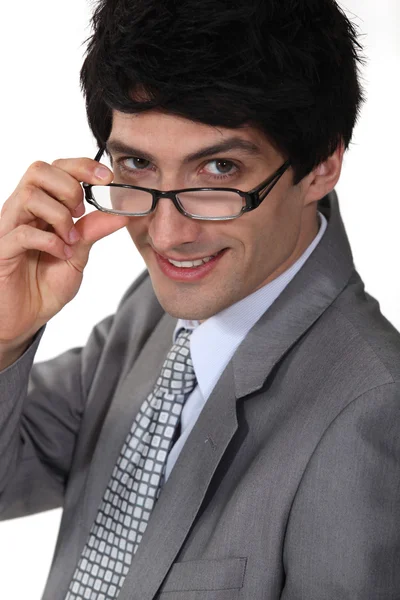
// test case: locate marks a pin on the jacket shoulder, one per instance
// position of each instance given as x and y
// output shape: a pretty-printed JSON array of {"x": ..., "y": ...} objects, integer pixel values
[{"x": 376, "y": 339}]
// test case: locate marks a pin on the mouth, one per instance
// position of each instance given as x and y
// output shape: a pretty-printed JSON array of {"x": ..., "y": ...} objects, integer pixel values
[
  {"x": 189, "y": 270},
  {"x": 189, "y": 264}
]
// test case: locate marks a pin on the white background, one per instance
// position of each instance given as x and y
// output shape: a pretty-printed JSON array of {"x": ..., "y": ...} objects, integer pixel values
[{"x": 43, "y": 118}]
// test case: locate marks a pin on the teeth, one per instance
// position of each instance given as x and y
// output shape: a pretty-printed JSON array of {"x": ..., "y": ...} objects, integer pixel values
[{"x": 187, "y": 264}]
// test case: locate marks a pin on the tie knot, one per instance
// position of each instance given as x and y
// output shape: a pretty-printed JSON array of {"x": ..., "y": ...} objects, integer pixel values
[
  {"x": 177, "y": 375},
  {"x": 182, "y": 344}
]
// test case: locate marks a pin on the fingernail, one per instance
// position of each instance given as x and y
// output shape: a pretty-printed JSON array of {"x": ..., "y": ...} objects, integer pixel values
[
  {"x": 102, "y": 173},
  {"x": 74, "y": 236}
]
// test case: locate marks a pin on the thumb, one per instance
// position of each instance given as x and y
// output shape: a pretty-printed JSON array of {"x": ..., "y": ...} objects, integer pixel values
[{"x": 92, "y": 228}]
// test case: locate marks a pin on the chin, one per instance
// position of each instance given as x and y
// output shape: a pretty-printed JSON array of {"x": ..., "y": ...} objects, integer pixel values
[
  {"x": 187, "y": 308},
  {"x": 188, "y": 313},
  {"x": 196, "y": 303},
  {"x": 191, "y": 310}
]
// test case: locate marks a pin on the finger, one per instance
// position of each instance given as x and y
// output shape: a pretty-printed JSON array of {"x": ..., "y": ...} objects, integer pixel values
[
  {"x": 97, "y": 225},
  {"x": 61, "y": 180},
  {"x": 32, "y": 204},
  {"x": 56, "y": 182},
  {"x": 92, "y": 228},
  {"x": 25, "y": 238},
  {"x": 85, "y": 169}
]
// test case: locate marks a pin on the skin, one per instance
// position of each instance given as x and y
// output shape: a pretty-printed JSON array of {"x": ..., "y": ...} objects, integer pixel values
[{"x": 259, "y": 246}]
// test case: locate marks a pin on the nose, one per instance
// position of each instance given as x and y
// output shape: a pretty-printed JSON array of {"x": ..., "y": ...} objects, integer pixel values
[{"x": 169, "y": 229}]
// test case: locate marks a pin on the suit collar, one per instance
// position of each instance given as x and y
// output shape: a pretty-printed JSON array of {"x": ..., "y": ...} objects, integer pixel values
[{"x": 303, "y": 301}]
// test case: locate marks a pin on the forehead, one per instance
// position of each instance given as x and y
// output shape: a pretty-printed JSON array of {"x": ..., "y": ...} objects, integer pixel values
[{"x": 173, "y": 137}]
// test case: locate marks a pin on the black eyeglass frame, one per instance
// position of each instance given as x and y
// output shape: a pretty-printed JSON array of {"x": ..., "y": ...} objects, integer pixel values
[{"x": 253, "y": 198}]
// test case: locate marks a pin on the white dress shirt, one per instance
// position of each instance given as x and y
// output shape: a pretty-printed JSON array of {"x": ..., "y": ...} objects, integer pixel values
[{"x": 214, "y": 342}]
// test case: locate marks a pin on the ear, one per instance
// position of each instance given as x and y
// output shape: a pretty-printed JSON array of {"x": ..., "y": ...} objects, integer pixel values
[{"x": 323, "y": 178}]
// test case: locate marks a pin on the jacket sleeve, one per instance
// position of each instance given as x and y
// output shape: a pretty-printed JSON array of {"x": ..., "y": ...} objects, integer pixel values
[
  {"x": 41, "y": 407},
  {"x": 343, "y": 534}
]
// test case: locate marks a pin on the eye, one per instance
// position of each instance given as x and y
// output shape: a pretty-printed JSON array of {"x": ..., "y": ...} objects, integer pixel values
[
  {"x": 134, "y": 163},
  {"x": 221, "y": 167}
]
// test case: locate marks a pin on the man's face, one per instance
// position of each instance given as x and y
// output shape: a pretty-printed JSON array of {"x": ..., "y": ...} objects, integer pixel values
[{"x": 247, "y": 252}]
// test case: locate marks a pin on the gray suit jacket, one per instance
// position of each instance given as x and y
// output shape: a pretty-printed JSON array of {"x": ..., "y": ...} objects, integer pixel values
[{"x": 289, "y": 484}]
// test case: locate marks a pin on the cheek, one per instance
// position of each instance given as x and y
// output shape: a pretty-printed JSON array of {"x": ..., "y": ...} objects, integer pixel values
[
  {"x": 270, "y": 233},
  {"x": 254, "y": 232},
  {"x": 138, "y": 228}
]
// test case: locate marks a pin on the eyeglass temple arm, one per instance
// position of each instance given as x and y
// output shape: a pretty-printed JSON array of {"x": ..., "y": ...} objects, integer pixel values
[
  {"x": 100, "y": 153},
  {"x": 270, "y": 184}
]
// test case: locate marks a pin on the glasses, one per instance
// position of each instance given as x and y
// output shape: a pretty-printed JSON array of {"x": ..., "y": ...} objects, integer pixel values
[{"x": 206, "y": 204}]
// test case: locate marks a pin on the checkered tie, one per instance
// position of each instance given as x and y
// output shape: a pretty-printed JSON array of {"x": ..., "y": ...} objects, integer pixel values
[{"x": 135, "y": 483}]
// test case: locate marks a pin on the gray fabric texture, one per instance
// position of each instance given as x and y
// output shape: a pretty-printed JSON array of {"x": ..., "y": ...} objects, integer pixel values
[{"x": 288, "y": 486}]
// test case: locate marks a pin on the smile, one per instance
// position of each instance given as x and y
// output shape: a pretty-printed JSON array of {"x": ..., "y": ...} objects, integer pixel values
[
  {"x": 189, "y": 271},
  {"x": 188, "y": 264}
]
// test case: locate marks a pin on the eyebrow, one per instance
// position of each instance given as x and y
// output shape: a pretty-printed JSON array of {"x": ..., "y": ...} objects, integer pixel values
[{"x": 234, "y": 143}]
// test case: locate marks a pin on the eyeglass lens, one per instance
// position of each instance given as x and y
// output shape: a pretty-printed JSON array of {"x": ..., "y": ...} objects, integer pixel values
[{"x": 215, "y": 203}]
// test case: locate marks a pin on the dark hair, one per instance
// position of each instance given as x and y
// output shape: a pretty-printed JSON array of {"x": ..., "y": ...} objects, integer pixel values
[{"x": 288, "y": 67}]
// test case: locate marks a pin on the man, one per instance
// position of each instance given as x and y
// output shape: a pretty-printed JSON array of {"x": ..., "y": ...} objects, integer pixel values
[{"x": 258, "y": 458}]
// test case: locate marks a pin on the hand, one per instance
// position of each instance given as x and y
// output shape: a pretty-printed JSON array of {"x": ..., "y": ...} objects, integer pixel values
[{"x": 37, "y": 275}]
